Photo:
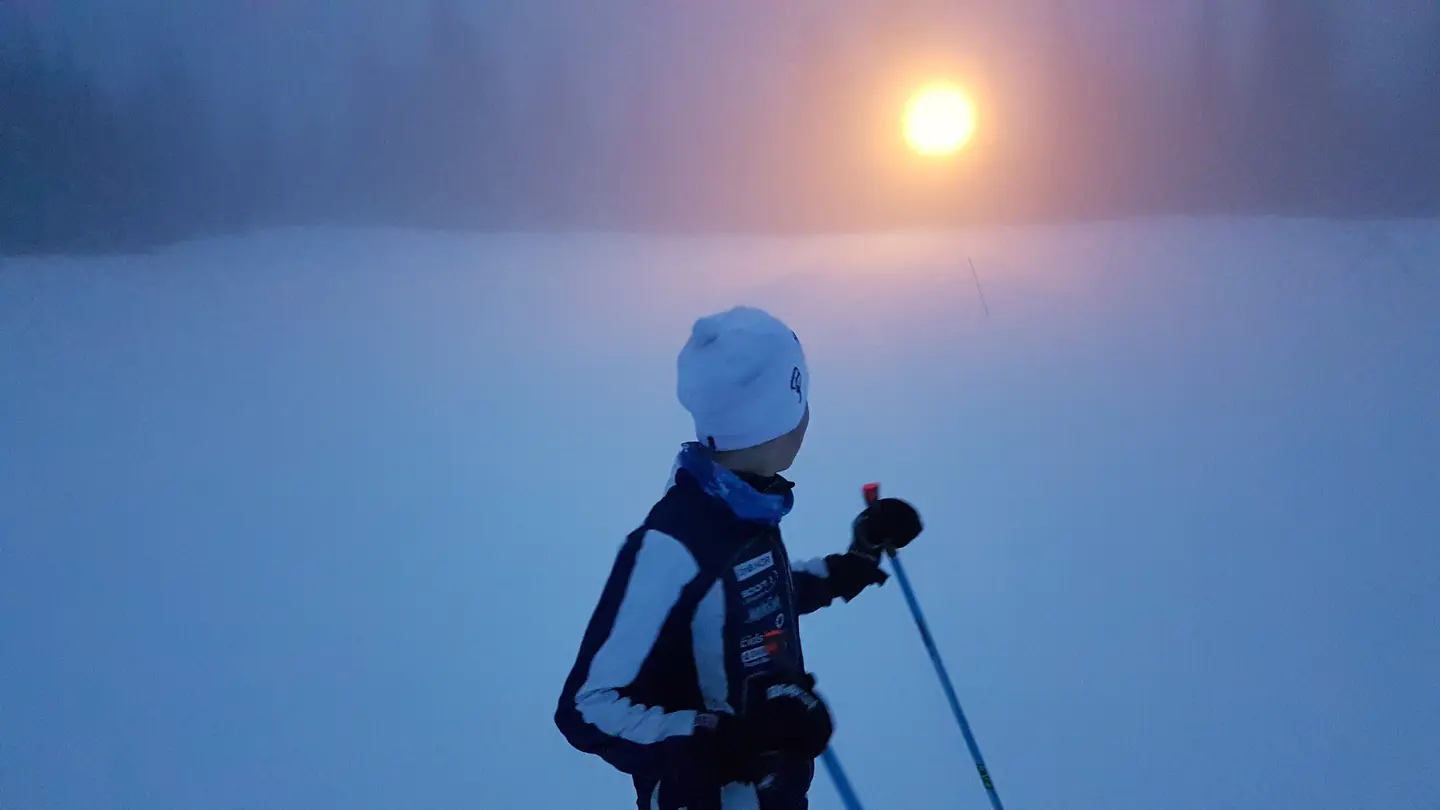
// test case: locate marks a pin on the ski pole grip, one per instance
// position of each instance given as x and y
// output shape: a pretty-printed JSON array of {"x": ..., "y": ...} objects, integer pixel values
[{"x": 872, "y": 494}]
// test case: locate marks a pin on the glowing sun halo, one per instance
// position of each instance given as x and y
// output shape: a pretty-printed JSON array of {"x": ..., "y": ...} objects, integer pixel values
[{"x": 939, "y": 120}]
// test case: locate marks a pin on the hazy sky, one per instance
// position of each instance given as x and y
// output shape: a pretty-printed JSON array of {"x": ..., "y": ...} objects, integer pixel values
[{"x": 296, "y": 53}]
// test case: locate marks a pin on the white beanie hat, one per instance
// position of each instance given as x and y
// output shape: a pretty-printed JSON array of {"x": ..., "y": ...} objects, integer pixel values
[{"x": 742, "y": 377}]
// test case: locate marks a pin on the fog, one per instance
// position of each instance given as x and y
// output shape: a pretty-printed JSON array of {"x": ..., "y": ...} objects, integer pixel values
[
  {"x": 315, "y": 518},
  {"x": 131, "y": 125},
  {"x": 337, "y": 357}
]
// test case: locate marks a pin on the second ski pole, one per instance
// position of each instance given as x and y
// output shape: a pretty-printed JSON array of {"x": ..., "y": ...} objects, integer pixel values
[
  {"x": 872, "y": 494},
  {"x": 842, "y": 783}
]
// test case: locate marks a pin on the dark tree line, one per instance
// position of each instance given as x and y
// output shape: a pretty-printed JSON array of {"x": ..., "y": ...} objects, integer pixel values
[
  {"x": 82, "y": 169},
  {"x": 458, "y": 138}
]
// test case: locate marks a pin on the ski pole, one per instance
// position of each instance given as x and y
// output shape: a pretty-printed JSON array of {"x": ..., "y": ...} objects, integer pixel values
[
  {"x": 842, "y": 784},
  {"x": 872, "y": 494}
]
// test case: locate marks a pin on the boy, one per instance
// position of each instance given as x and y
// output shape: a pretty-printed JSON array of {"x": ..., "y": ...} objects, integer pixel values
[{"x": 690, "y": 677}]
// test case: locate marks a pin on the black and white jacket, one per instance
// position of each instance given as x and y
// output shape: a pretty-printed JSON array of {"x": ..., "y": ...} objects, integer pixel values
[{"x": 680, "y": 626}]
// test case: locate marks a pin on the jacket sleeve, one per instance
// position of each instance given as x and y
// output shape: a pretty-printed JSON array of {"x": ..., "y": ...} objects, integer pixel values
[
  {"x": 596, "y": 712},
  {"x": 813, "y": 587}
]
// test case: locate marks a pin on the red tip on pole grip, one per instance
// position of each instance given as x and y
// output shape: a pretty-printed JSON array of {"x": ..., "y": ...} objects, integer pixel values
[{"x": 872, "y": 493}]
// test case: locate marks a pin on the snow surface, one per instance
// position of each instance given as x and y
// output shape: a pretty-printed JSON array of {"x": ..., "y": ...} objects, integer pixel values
[{"x": 313, "y": 519}]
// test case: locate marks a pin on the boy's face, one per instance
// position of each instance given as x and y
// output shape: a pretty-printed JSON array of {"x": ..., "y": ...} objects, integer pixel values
[{"x": 788, "y": 447}]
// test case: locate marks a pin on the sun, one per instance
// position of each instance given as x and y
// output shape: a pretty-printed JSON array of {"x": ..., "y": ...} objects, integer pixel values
[{"x": 939, "y": 120}]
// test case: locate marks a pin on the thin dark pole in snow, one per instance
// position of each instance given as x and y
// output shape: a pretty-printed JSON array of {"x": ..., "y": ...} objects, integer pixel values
[
  {"x": 872, "y": 494},
  {"x": 976, "y": 274},
  {"x": 842, "y": 784}
]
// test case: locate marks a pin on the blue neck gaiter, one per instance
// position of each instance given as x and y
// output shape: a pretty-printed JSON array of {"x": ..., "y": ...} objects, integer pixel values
[{"x": 747, "y": 502}]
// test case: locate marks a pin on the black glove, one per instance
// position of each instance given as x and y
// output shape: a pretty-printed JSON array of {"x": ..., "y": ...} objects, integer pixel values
[
  {"x": 782, "y": 715},
  {"x": 888, "y": 524},
  {"x": 785, "y": 715}
]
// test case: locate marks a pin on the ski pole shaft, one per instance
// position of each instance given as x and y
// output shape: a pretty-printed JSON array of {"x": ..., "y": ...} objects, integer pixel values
[
  {"x": 872, "y": 494},
  {"x": 842, "y": 784},
  {"x": 946, "y": 685}
]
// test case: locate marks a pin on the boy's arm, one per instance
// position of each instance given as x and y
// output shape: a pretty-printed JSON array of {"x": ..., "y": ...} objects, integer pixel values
[
  {"x": 886, "y": 524},
  {"x": 820, "y": 580},
  {"x": 595, "y": 712}
]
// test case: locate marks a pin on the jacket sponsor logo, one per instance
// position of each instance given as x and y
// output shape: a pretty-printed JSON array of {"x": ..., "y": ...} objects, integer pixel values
[
  {"x": 755, "y": 565},
  {"x": 763, "y": 609},
  {"x": 759, "y": 589},
  {"x": 755, "y": 656},
  {"x": 787, "y": 690},
  {"x": 752, "y": 640}
]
